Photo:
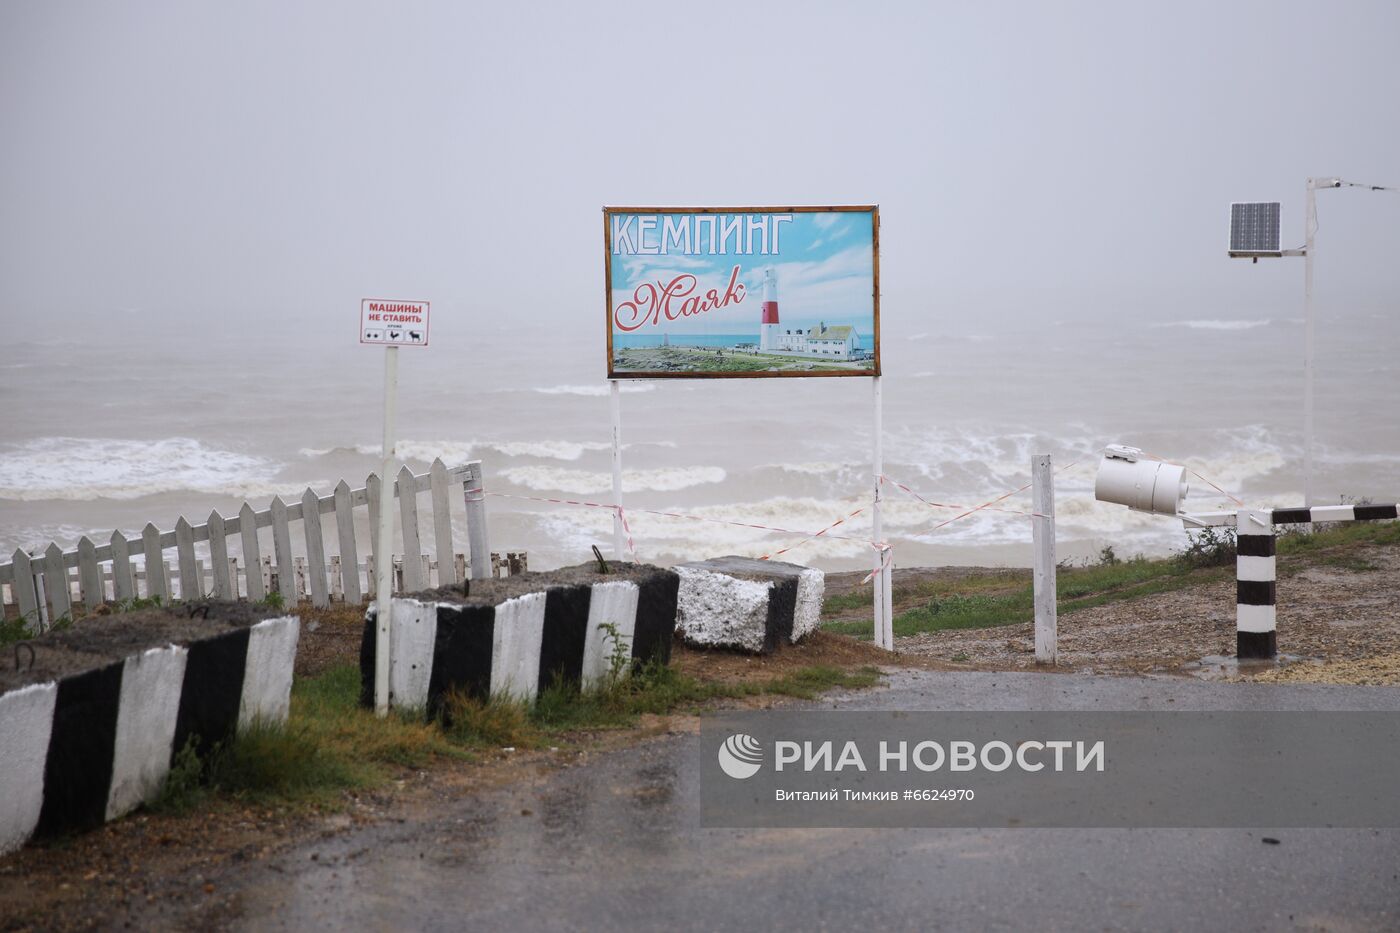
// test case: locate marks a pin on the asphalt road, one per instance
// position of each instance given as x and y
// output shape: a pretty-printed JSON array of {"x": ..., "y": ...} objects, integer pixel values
[{"x": 616, "y": 844}]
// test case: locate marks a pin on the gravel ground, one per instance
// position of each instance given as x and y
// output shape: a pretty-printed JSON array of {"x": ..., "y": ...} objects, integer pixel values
[{"x": 1344, "y": 612}]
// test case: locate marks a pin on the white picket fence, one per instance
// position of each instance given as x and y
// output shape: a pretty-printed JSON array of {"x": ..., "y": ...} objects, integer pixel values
[{"x": 46, "y": 585}]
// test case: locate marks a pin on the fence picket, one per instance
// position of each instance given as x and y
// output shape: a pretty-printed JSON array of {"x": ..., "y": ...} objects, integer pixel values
[
  {"x": 90, "y": 574},
  {"x": 478, "y": 549},
  {"x": 412, "y": 551},
  {"x": 56, "y": 582},
  {"x": 26, "y": 596},
  {"x": 155, "y": 576},
  {"x": 252, "y": 559},
  {"x": 373, "y": 492},
  {"x": 315, "y": 548},
  {"x": 282, "y": 549},
  {"x": 348, "y": 580},
  {"x": 220, "y": 587},
  {"x": 337, "y": 592},
  {"x": 442, "y": 523},
  {"x": 123, "y": 582},
  {"x": 191, "y": 586}
]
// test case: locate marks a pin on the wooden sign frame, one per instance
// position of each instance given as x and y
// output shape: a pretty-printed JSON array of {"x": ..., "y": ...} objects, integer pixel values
[{"x": 873, "y": 370}]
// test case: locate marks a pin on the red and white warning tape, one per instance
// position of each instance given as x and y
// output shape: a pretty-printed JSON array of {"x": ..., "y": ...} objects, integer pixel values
[
  {"x": 885, "y": 550},
  {"x": 631, "y": 546}
]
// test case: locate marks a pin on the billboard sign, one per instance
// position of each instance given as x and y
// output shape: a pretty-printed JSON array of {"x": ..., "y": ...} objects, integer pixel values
[{"x": 742, "y": 291}]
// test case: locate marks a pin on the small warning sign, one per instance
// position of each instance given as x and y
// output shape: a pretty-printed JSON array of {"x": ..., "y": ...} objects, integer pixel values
[{"x": 394, "y": 323}]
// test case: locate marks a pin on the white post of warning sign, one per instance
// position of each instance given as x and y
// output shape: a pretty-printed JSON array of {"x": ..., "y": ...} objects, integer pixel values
[{"x": 391, "y": 324}]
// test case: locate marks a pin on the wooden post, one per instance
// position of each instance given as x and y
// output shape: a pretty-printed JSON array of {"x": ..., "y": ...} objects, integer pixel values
[
  {"x": 412, "y": 551},
  {"x": 518, "y": 562},
  {"x": 372, "y": 495},
  {"x": 252, "y": 559},
  {"x": 315, "y": 548},
  {"x": 56, "y": 582},
  {"x": 282, "y": 548},
  {"x": 155, "y": 572},
  {"x": 219, "y": 561},
  {"x": 478, "y": 548},
  {"x": 191, "y": 587},
  {"x": 26, "y": 595},
  {"x": 345, "y": 531},
  {"x": 90, "y": 574},
  {"x": 442, "y": 524},
  {"x": 123, "y": 581},
  {"x": 1043, "y": 540}
]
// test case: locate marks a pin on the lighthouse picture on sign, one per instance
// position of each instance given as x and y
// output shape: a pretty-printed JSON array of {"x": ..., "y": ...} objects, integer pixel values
[{"x": 742, "y": 291}]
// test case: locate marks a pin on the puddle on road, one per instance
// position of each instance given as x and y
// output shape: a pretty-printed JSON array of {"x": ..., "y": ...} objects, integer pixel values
[{"x": 1229, "y": 667}]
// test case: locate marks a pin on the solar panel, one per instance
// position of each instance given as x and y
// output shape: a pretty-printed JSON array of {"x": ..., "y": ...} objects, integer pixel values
[{"x": 1254, "y": 228}]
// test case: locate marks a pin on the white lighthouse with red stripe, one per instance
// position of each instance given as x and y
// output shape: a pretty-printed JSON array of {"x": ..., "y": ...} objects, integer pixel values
[{"x": 768, "y": 331}]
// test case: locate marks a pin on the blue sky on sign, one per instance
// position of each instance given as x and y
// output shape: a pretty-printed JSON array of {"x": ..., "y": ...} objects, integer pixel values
[{"x": 824, "y": 272}]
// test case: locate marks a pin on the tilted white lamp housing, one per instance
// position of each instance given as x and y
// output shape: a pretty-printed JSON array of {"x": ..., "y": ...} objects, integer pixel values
[{"x": 1128, "y": 477}]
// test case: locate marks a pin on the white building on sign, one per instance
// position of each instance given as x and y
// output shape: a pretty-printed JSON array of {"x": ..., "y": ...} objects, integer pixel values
[{"x": 838, "y": 341}]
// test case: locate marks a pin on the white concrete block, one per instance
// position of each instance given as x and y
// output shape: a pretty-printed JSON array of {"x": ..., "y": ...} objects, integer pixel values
[
  {"x": 609, "y": 604},
  {"x": 515, "y": 647},
  {"x": 267, "y": 675},
  {"x": 26, "y": 720},
  {"x": 150, "y": 702}
]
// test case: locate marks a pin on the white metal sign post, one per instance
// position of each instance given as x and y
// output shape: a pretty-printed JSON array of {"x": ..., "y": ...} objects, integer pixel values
[
  {"x": 390, "y": 324},
  {"x": 615, "y": 390}
]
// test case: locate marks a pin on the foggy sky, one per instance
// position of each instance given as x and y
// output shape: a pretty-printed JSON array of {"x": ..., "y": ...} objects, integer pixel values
[{"x": 211, "y": 165}]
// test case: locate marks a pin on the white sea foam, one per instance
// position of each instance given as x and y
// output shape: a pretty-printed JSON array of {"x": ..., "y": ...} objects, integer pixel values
[
  {"x": 1216, "y": 324},
  {"x": 596, "y": 389},
  {"x": 454, "y": 452},
  {"x": 584, "y": 482},
  {"x": 810, "y": 468},
  {"x": 89, "y": 468}
]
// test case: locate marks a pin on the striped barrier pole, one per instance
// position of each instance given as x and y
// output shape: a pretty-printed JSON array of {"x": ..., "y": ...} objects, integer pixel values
[{"x": 1256, "y": 634}]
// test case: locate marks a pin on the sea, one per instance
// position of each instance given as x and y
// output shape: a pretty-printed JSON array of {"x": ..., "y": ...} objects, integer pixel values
[{"x": 121, "y": 426}]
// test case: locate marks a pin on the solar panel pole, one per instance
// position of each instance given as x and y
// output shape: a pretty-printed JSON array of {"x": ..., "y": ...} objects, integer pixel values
[{"x": 1310, "y": 224}]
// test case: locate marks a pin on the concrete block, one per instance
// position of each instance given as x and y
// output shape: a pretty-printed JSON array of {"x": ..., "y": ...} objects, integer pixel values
[
  {"x": 747, "y": 604},
  {"x": 519, "y": 635},
  {"x": 93, "y": 716}
]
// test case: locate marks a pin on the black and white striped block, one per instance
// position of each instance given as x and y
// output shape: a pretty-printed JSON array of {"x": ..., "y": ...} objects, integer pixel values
[
  {"x": 1256, "y": 633},
  {"x": 89, "y": 729},
  {"x": 1332, "y": 513},
  {"x": 747, "y": 604},
  {"x": 515, "y": 637}
]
